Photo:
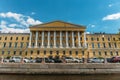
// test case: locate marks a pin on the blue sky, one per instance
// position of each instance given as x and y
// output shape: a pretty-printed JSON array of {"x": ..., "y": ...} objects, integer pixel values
[{"x": 96, "y": 15}]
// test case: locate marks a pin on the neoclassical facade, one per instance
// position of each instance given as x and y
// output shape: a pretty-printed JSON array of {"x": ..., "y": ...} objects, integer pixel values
[{"x": 59, "y": 39}]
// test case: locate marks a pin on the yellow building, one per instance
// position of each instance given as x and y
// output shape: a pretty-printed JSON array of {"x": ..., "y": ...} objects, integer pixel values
[{"x": 58, "y": 39}]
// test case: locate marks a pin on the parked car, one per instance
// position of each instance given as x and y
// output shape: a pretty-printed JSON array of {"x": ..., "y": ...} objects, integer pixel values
[
  {"x": 68, "y": 59},
  {"x": 115, "y": 59},
  {"x": 6, "y": 60},
  {"x": 57, "y": 60},
  {"x": 77, "y": 60},
  {"x": 47, "y": 60},
  {"x": 38, "y": 60},
  {"x": 95, "y": 60},
  {"x": 26, "y": 60},
  {"x": 16, "y": 59}
]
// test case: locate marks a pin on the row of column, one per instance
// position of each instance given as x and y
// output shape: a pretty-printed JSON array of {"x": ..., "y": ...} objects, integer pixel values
[{"x": 61, "y": 45}]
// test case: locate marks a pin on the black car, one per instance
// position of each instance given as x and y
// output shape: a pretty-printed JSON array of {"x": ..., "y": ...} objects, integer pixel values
[
  {"x": 38, "y": 60},
  {"x": 47, "y": 60},
  {"x": 57, "y": 61}
]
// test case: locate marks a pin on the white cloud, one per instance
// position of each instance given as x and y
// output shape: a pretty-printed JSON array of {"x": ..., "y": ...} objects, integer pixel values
[
  {"x": 31, "y": 21},
  {"x": 91, "y": 25},
  {"x": 112, "y": 17},
  {"x": 21, "y": 22},
  {"x": 33, "y": 13},
  {"x": 13, "y": 25},
  {"x": 110, "y": 5},
  {"x": 3, "y": 24},
  {"x": 13, "y": 30}
]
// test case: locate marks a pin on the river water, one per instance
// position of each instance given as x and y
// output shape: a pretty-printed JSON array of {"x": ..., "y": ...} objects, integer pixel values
[{"x": 59, "y": 77}]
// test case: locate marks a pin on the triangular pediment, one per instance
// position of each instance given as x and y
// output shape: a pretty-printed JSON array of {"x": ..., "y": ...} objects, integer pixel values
[{"x": 58, "y": 24}]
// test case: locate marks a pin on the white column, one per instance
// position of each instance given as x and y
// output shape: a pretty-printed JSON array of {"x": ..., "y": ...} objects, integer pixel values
[
  {"x": 85, "y": 45},
  {"x": 79, "y": 44},
  {"x": 36, "y": 39},
  {"x": 48, "y": 39},
  {"x": 61, "y": 39},
  {"x": 67, "y": 39},
  {"x": 42, "y": 46},
  {"x": 30, "y": 39},
  {"x": 54, "y": 39},
  {"x": 73, "y": 42}
]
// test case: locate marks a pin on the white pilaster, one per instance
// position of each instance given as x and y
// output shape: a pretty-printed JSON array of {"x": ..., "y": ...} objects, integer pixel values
[
  {"x": 36, "y": 40},
  {"x": 79, "y": 44},
  {"x": 61, "y": 39},
  {"x": 42, "y": 46},
  {"x": 85, "y": 44},
  {"x": 73, "y": 42},
  {"x": 48, "y": 46},
  {"x": 30, "y": 39},
  {"x": 67, "y": 39},
  {"x": 54, "y": 39}
]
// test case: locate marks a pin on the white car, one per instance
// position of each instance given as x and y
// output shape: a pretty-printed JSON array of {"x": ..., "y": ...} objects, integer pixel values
[
  {"x": 77, "y": 60},
  {"x": 69, "y": 60},
  {"x": 16, "y": 59},
  {"x": 26, "y": 60},
  {"x": 96, "y": 60}
]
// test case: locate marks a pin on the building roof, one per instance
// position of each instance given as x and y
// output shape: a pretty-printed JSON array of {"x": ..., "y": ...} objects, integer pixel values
[{"x": 58, "y": 23}]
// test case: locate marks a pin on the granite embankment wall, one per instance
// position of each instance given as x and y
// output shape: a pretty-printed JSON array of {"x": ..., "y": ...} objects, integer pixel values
[{"x": 61, "y": 68}]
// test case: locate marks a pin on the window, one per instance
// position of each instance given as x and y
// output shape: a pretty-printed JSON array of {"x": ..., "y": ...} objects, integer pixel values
[
  {"x": 22, "y": 38},
  {"x": 116, "y": 53},
  {"x": 76, "y": 52},
  {"x": 26, "y": 53},
  {"x": 31, "y": 52},
  {"x": 38, "y": 52},
  {"x": 51, "y": 52},
  {"x": 4, "y": 45},
  {"x": 113, "y": 39},
  {"x": 104, "y": 45},
  {"x": 33, "y": 44},
  {"x": 115, "y": 45},
  {"x": 92, "y": 45},
  {"x": 10, "y": 44},
  {"x": 20, "y": 53},
  {"x": 97, "y": 39},
  {"x": 16, "y": 44},
  {"x": 91, "y": 39},
  {"x": 93, "y": 53},
  {"x": 28, "y": 38},
  {"x": 98, "y": 45},
  {"x": 108, "y": 39},
  {"x": 2, "y": 52},
  {"x": 99, "y": 53},
  {"x": 86, "y": 39},
  {"x": 57, "y": 52},
  {"x": 10, "y": 38},
  {"x": 21, "y": 44},
  {"x": 102, "y": 39},
  {"x": 27, "y": 44},
  {"x": 75, "y": 38},
  {"x": 70, "y": 52},
  {"x": 82, "y": 53},
  {"x": 105, "y": 53},
  {"x": 14, "y": 52},
  {"x": 5, "y": 38},
  {"x": 16, "y": 38},
  {"x": 111, "y": 53},
  {"x": 109, "y": 45},
  {"x": 63, "y": 52},
  {"x": 44, "y": 52}
]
